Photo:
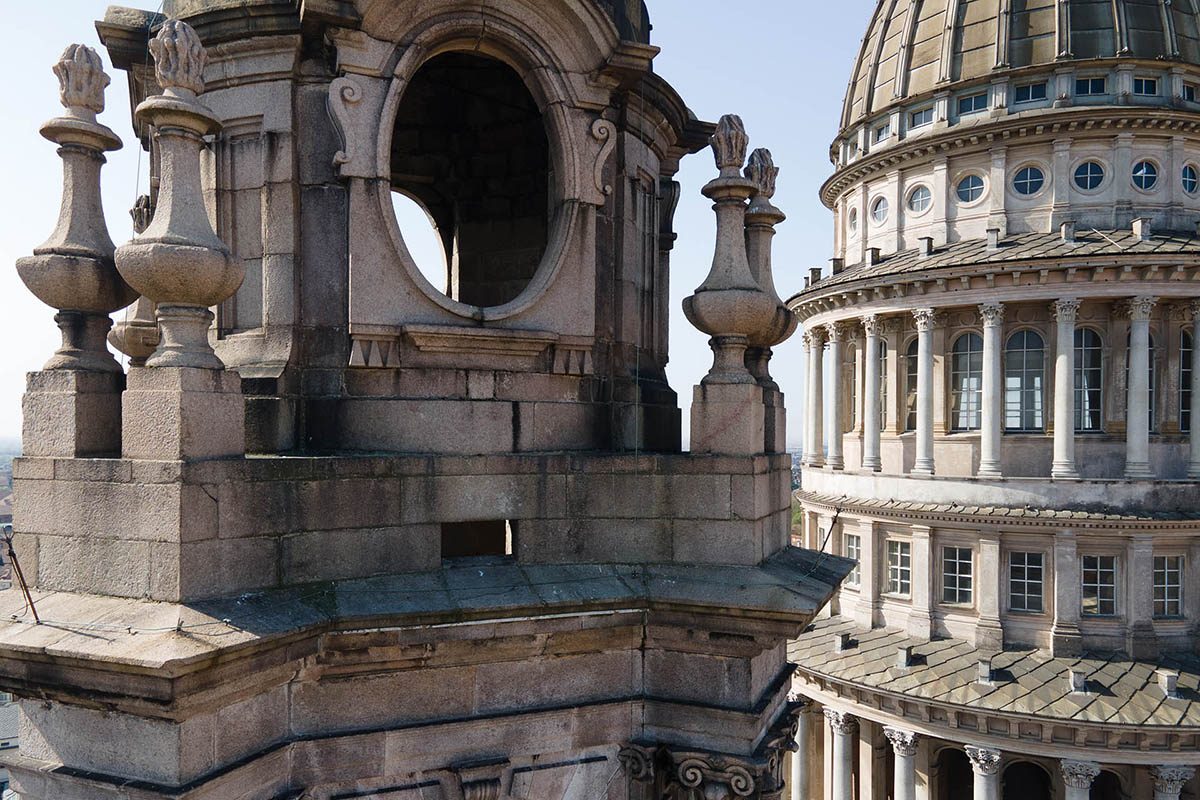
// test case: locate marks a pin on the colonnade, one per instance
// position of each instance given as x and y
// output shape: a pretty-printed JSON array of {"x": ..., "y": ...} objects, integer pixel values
[
  {"x": 818, "y": 453},
  {"x": 986, "y": 763}
]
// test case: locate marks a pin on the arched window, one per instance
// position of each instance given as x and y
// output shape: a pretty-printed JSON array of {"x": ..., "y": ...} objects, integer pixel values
[
  {"x": 1185, "y": 382},
  {"x": 1024, "y": 780},
  {"x": 910, "y": 386},
  {"x": 966, "y": 382},
  {"x": 1089, "y": 387},
  {"x": 1024, "y": 374},
  {"x": 1151, "y": 397}
]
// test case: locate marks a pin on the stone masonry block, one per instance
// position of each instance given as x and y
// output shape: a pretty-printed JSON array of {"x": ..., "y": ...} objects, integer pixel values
[
  {"x": 427, "y": 426},
  {"x": 342, "y": 554},
  {"x": 715, "y": 542},
  {"x": 728, "y": 419},
  {"x": 382, "y": 701},
  {"x": 221, "y": 568},
  {"x": 464, "y": 498},
  {"x": 94, "y": 566},
  {"x": 72, "y": 414},
  {"x": 178, "y": 414},
  {"x": 99, "y": 510},
  {"x": 597, "y": 494}
]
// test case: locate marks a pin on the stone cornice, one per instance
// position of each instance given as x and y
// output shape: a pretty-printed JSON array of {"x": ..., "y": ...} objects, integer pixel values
[{"x": 1025, "y": 128}]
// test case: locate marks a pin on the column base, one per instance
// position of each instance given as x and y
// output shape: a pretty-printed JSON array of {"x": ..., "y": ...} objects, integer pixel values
[
  {"x": 182, "y": 413},
  {"x": 1139, "y": 470},
  {"x": 1141, "y": 643},
  {"x": 921, "y": 472},
  {"x": 873, "y": 464},
  {"x": 72, "y": 414},
  {"x": 728, "y": 419},
  {"x": 920, "y": 624},
  {"x": 835, "y": 462},
  {"x": 989, "y": 634},
  {"x": 989, "y": 471},
  {"x": 864, "y": 614},
  {"x": 1064, "y": 470}
]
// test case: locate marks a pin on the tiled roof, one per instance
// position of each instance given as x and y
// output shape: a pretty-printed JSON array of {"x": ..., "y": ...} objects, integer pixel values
[
  {"x": 1022, "y": 247},
  {"x": 1025, "y": 681}
]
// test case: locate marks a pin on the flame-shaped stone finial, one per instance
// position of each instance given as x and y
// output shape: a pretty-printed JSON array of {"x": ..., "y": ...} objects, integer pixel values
[
  {"x": 81, "y": 81},
  {"x": 179, "y": 57},
  {"x": 763, "y": 172},
  {"x": 729, "y": 143}
]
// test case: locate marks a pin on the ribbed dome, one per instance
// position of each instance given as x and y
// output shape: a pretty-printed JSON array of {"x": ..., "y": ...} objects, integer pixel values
[{"x": 913, "y": 47}]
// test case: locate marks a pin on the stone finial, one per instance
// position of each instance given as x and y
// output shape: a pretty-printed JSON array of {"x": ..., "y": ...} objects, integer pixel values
[
  {"x": 729, "y": 143},
  {"x": 763, "y": 172},
  {"x": 179, "y": 57},
  {"x": 81, "y": 81}
]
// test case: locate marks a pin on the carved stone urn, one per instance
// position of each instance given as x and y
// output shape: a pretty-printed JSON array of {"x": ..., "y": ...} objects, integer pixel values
[
  {"x": 179, "y": 263},
  {"x": 761, "y": 218},
  {"x": 730, "y": 305},
  {"x": 73, "y": 270},
  {"x": 137, "y": 335}
]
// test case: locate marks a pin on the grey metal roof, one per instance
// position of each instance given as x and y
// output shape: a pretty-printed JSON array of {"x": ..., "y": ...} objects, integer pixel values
[
  {"x": 1022, "y": 247},
  {"x": 1027, "y": 682}
]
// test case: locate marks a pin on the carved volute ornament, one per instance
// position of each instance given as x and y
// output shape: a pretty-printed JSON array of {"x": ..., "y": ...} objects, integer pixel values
[
  {"x": 179, "y": 263},
  {"x": 730, "y": 305},
  {"x": 73, "y": 270},
  {"x": 761, "y": 219}
]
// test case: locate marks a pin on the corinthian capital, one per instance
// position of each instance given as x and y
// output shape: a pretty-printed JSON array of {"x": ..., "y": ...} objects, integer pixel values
[
  {"x": 1066, "y": 310},
  {"x": 925, "y": 318},
  {"x": 983, "y": 760},
  {"x": 1171, "y": 779},
  {"x": 1141, "y": 307},
  {"x": 991, "y": 314},
  {"x": 841, "y": 722},
  {"x": 836, "y": 332},
  {"x": 1079, "y": 774},
  {"x": 872, "y": 325},
  {"x": 179, "y": 57},
  {"x": 904, "y": 743}
]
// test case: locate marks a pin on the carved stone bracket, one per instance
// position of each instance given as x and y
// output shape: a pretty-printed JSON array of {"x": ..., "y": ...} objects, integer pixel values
[
  {"x": 605, "y": 133},
  {"x": 344, "y": 93},
  {"x": 638, "y": 762},
  {"x": 713, "y": 777}
]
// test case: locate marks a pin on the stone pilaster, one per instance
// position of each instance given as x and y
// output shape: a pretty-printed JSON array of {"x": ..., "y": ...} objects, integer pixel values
[{"x": 1065, "y": 638}]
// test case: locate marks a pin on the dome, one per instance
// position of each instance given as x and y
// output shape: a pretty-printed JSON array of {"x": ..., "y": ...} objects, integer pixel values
[{"x": 916, "y": 47}]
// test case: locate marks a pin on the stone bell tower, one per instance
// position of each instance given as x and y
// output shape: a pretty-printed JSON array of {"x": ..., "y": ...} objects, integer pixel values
[{"x": 345, "y": 530}]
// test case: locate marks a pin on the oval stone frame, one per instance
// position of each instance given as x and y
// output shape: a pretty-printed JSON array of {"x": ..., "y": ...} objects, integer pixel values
[{"x": 516, "y": 51}]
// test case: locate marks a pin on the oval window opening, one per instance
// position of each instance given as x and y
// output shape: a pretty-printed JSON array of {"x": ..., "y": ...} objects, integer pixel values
[{"x": 470, "y": 148}]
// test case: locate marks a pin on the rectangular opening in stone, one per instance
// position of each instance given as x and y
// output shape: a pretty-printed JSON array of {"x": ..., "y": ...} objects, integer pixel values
[{"x": 493, "y": 537}]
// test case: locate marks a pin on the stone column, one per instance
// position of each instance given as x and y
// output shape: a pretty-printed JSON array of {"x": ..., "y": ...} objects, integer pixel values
[
  {"x": 799, "y": 756},
  {"x": 843, "y": 727},
  {"x": 920, "y": 615},
  {"x": 985, "y": 763},
  {"x": 1194, "y": 434},
  {"x": 1078, "y": 777},
  {"x": 1137, "y": 413},
  {"x": 871, "y": 394},
  {"x": 728, "y": 416},
  {"x": 836, "y": 333},
  {"x": 183, "y": 404},
  {"x": 1140, "y": 640},
  {"x": 815, "y": 455},
  {"x": 992, "y": 417},
  {"x": 1170, "y": 780},
  {"x": 923, "y": 465},
  {"x": 72, "y": 407},
  {"x": 904, "y": 747},
  {"x": 1065, "y": 638},
  {"x": 1063, "y": 466}
]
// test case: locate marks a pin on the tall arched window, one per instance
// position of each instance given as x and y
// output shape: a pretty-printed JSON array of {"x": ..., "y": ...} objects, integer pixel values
[
  {"x": 1024, "y": 375},
  {"x": 910, "y": 386},
  {"x": 1151, "y": 397},
  {"x": 1185, "y": 381},
  {"x": 1089, "y": 391},
  {"x": 966, "y": 382}
]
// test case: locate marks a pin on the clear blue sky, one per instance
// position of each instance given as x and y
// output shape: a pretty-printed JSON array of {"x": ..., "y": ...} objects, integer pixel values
[{"x": 780, "y": 64}]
